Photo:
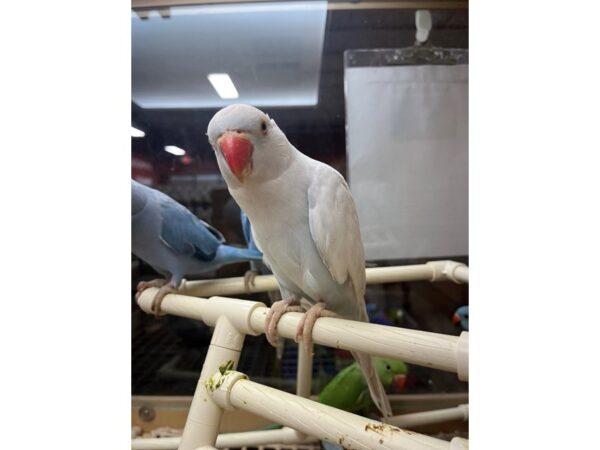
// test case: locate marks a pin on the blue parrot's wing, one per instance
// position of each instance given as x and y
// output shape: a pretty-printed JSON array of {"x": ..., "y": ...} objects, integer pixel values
[
  {"x": 186, "y": 234},
  {"x": 216, "y": 233}
]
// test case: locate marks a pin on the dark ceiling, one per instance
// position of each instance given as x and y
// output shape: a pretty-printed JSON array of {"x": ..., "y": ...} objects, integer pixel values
[{"x": 317, "y": 131}]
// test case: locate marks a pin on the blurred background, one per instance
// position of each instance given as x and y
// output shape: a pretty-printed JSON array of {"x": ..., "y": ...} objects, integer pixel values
[{"x": 351, "y": 84}]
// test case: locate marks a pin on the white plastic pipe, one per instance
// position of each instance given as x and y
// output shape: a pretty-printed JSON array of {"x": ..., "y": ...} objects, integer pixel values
[
  {"x": 233, "y": 390},
  {"x": 459, "y": 443},
  {"x": 438, "y": 351},
  {"x": 284, "y": 435},
  {"x": 431, "y": 271},
  {"x": 460, "y": 412},
  {"x": 204, "y": 417},
  {"x": 170, "y": 443},
  {"x": 304, "y": 371},
  {"x": 462, "y": 356},
  {"x": 462, "y": 274},
  {"x": 423, "y": 348}
]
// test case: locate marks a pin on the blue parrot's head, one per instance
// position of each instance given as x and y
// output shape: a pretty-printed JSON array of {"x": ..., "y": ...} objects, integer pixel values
[{"x": 461, "y": 315}]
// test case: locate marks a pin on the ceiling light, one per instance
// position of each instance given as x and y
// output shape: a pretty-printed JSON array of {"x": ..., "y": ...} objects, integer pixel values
[
  {"x": 174, "y": 150},
  {"x": 286, "y": 72},
  {"x": 137, "y": 133},
  {"x": 223, "y": 85}
]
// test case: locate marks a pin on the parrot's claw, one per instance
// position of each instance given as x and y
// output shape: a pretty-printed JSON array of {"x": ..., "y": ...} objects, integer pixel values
[
  {"x": 160, "y": 296},
  {"x": 277, "y": 310},
  {"x": 307, "y": 323},
  {"x": 249, "y": 277}
]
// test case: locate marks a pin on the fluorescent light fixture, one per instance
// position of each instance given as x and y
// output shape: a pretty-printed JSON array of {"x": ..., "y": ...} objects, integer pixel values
[
  {"x": 174, "y": 150},
  {"x": 223, "y": 85},
  {"x": 285, "y": 72},
  {"x": 137, "y": 133}
]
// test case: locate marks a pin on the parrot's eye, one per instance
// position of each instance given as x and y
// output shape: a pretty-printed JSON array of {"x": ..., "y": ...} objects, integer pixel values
[
  {"x": 263, "y": 126},
  {"x": 387, "y": 367}
]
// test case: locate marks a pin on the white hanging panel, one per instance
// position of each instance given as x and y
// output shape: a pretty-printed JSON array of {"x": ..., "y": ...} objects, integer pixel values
[{"x": 407, "y": 145}]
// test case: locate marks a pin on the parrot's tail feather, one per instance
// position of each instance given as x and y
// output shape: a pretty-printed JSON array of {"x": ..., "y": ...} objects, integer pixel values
[
  {"x": 254, "y": 255},
  {"x": 380, "y": 398},
  {"x": 237, "y": 254}
]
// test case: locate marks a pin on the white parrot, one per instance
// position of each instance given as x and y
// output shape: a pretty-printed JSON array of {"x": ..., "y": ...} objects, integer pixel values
[{"x": 303, "y": 220}]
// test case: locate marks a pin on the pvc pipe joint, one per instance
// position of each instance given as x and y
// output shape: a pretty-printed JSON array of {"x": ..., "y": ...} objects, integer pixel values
[
  {"x": 465, "y": 410},
  {"x": 238, "y": 311},
  {"x": 220, "y": 385},
  {"x": 202, "y": 424},
  {"x": 462, "y": 356},
  {"x": 448, "y": 270},
  {"x": 310, "y": 417},
  {"x": 409, "y": 421},
  {"x": 443, "y": 270},
  {"x": 459, "y": 443}
]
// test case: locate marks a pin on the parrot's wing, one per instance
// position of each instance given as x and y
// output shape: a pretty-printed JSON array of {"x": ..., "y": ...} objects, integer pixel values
[
  {"x": 334, "y": 228},
  {"x": 216, "y": 233},
  {"x": 186, "y": 234},
  {"x": 363, "y": 400}
]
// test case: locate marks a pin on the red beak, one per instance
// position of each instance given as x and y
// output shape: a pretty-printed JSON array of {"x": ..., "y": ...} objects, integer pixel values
[
  {"x": 400, "y": 381},
  {"x": 455, "y": 318},
  {"x": 237, "y": 151}
]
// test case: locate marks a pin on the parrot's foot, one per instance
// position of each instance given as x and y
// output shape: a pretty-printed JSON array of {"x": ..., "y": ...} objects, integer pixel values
[
  {"x": 160, "y": 296},
  {"x": 143, "y": 285},
  {"x": 249, "y": 277},
  {"x": 277, "y": 310},
  {"x": 307, "y": 323}
]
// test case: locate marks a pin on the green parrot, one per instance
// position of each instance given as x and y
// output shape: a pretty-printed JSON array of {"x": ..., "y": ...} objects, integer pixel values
[{"x": 348, "y": 390}]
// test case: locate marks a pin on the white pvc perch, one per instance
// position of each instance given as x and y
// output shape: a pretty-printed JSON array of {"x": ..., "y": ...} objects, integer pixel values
[
  {"x": 232, "y": 390},
  {"x": 231, "y": 440},
  {"x": 288, "y": 435},
  {"x": 204, "y": 418},
  {"x": 304, "y": 371},
  {"x": 168, "y": 443},
  {"x": 460, "y": 412},
  {"x": 438, "y": 351},
  {"x": 431, "y": 271},
  {"x": 234, "y": 318},
  {"x": 285, "y": 435}
]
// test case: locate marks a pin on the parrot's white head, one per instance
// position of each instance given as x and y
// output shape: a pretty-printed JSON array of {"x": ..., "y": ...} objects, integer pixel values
[{"x": 248, "y": 144}]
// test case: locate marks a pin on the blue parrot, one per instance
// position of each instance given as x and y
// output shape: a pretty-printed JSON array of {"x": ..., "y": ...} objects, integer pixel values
[
  {"x": 175, "y": 242},
  {"x": 462, "y": 315}
]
